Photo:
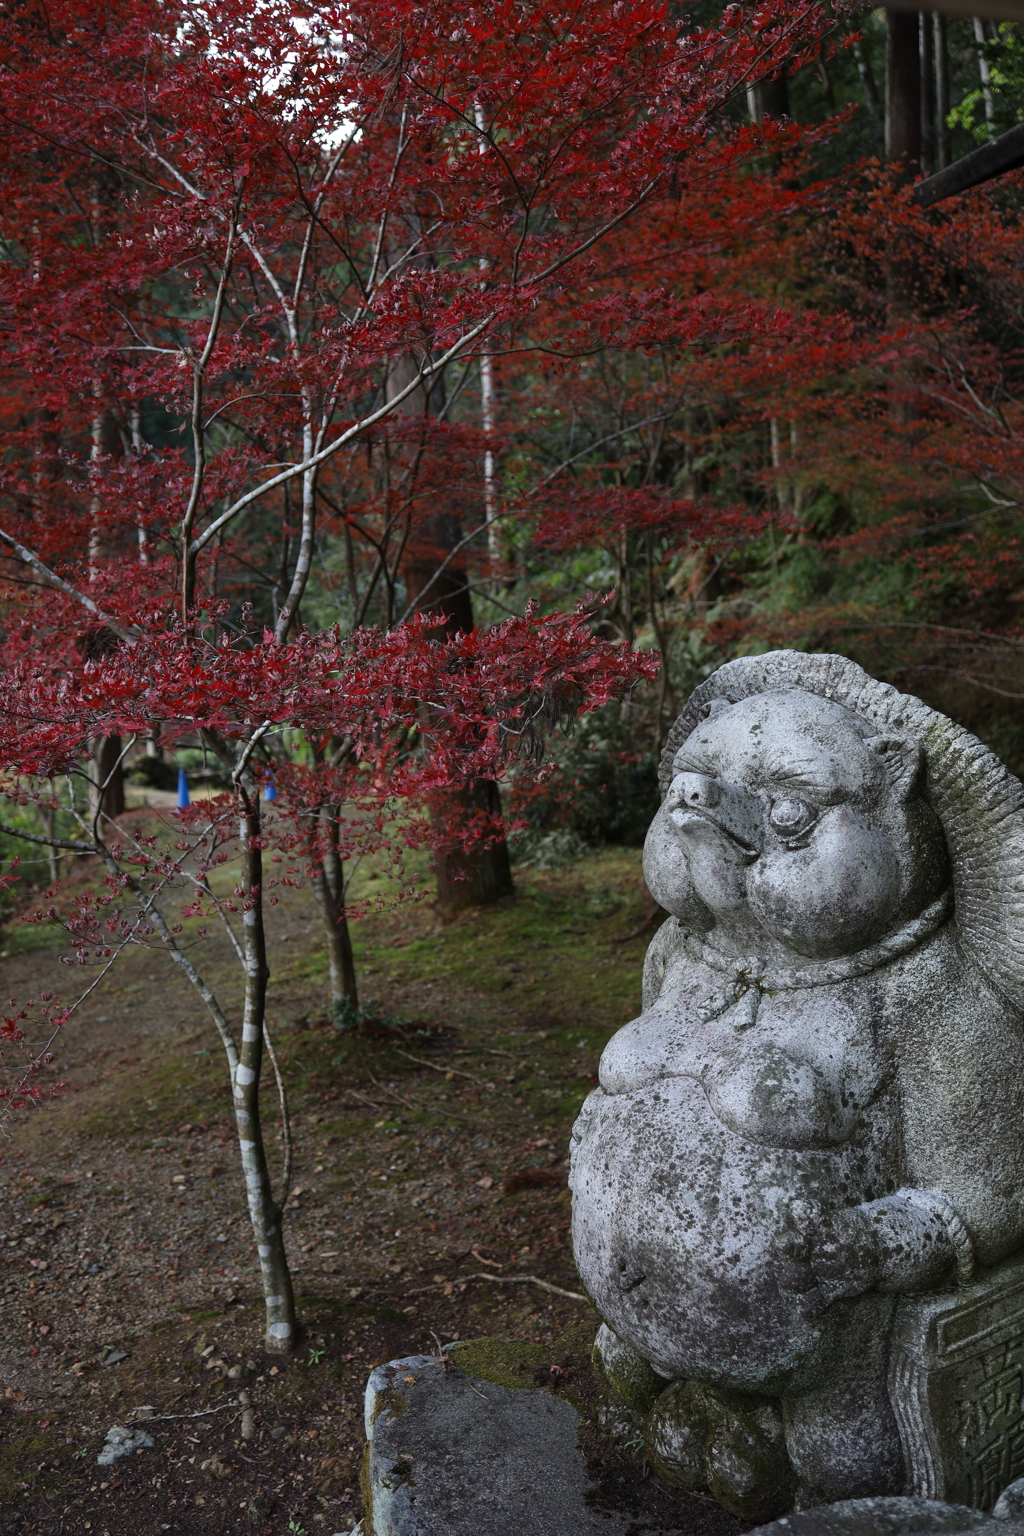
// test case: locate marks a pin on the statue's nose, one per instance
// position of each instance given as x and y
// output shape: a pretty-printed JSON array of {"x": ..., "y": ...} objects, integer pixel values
[
  {"x": 732, "y": 807},
  {"x": 695, "y": 789}
]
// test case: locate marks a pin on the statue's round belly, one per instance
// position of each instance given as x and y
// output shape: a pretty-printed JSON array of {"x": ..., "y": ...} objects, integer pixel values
[{"x": 674, "y": 1220}]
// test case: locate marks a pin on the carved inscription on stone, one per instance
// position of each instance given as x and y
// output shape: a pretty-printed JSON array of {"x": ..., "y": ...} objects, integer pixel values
[{"x": 957, "y": 1386}]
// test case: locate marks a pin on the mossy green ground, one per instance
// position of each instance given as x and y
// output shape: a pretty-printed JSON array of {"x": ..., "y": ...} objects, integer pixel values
[{"x": 427, "y": 1190}]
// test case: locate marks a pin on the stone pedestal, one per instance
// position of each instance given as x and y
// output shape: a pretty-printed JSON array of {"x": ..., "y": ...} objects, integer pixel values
[{"x": 956, "y": 1384}]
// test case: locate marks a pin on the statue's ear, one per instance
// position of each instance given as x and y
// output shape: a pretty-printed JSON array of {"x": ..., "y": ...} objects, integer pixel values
[
  {"x": 714, "y": 707},
  {"x": 903, "y": 760}
]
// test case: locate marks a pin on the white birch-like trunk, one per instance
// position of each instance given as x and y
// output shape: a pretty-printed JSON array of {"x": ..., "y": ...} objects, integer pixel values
[
  {"x": 488, "y": 422},
  {"x": 264, "y": 1213},
  {"x": 985, "y": 73},
  {"x": 304, "y": 559},
  {"x": 136, "y": 425},
  {"x": 245, "y": 1064}
]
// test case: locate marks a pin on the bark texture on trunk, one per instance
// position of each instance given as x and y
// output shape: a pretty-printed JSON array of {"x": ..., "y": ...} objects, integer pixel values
[
  {"x": 902, "y": 138},
  {"x": 245, "y": 1067},
  {"x": 264, "y": 1213},
  {"x": 329, "y": 889},
  {"x": 472, "y": 877},
  {"x": 769, "y": 99},
  {"x": 466, "y": 877},
  {"x": 941, "y": 27},
  {"x": 437, "y": 581},
  {"x": 926, "y": 46},
  {"x": 903, "y": 90},
  {"x": 106, "y": 780}
]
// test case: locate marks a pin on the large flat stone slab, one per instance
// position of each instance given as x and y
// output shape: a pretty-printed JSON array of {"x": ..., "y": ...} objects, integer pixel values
[{"x": 453, "y": 1455}]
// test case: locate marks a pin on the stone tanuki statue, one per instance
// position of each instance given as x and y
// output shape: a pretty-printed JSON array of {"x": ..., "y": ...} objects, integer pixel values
[{"x": 798, "y": 1191}]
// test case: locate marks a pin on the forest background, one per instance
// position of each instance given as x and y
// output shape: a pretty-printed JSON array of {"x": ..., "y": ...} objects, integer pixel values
[
  {"x": 826, "y": 458},
  {"x": 852, "y": 487}
]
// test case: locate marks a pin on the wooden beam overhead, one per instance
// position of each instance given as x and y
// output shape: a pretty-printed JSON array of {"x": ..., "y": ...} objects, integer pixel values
[{"x": 1004, "y": 154}]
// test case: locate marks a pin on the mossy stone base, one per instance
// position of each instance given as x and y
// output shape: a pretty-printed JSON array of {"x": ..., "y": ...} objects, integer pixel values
[
  {"x": 629, "y": 1376},
  {"x": 725, "y": 1444}
]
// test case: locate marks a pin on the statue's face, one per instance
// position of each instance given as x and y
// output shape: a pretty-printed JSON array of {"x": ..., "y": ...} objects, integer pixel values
[{"x": 787, "y": 815}]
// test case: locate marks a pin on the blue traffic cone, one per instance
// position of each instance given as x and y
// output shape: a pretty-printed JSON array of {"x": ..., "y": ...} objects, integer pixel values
[
  {"x": 183, "y": 798},
  {"x": 269, "y": 789}
]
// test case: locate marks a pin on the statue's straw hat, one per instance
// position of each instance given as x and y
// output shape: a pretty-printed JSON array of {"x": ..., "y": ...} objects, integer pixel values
[{"x": 978, "y": 800}]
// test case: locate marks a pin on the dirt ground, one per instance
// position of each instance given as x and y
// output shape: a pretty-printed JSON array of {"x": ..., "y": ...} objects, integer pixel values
[{"x": 429, "y": 1184}]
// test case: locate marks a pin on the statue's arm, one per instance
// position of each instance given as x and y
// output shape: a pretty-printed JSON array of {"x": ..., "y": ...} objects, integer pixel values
[
  {"x": 961, "y": 1087},
  {"x": 913, "y": 1240}
]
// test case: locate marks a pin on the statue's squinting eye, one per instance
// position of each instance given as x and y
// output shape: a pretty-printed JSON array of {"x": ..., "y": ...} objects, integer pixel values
[{"x": 792, "y": 818}]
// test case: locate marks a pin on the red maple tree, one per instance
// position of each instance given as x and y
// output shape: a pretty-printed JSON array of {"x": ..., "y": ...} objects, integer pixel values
[{"x": 239, "y": 244}]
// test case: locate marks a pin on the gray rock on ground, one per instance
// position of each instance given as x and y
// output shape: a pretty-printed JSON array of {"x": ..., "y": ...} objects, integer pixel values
[
  {"x": 1010, "y": 1503},
  {"x": 121, "y": 1442}
]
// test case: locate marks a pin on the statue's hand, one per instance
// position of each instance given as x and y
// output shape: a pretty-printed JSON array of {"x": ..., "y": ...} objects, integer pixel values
[{"x": 827, "y": 1256}]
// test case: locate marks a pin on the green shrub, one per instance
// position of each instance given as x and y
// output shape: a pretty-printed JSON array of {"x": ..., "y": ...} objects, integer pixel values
[
  {"x": 154, "y": 773},
  {"x": 604, "y": 789},
  {"x": 33, "y": 867}
]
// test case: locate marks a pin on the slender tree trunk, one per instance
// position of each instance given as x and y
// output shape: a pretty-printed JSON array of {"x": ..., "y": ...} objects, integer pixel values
[
  {"x": 264, "y": 1213},
  {"x": 97, "y": 448},
  {"x": 902, "y": 137},
  {"x": 942, "y": 90},
  {"x": 868, "y": 81},
  {"x": 329, "y": 889},
  {"x": 137, "y": 447},
  {"x": 106, "y": 775},
  {"x": 769, "y": 99},
  {"x": 245, "y": 1065},
  {"x": 488, "y": 421},
  {"x": 49, "y": 821},
  {"x": 984, "y": 72},
  {"x": 926, "y": 44},
  {"x": 304, "y": 557},
  {"x": 795, "y": 487},
  {"x": 775, "y": 437}
]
